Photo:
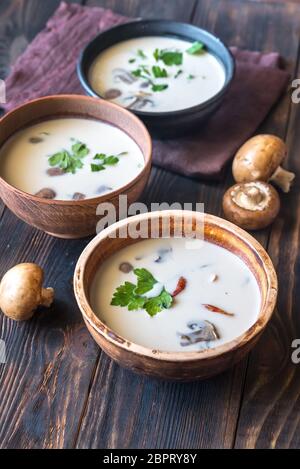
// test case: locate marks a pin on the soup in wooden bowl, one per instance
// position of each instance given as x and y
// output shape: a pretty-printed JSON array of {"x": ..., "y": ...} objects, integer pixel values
[{"x": 174, "y": 307}]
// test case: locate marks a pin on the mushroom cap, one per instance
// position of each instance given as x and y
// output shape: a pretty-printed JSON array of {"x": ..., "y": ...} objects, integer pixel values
[
  {"x": 258, "y": 158},
  {"x": 251, "y": 205},
  {"x": 20, "y": 291}
]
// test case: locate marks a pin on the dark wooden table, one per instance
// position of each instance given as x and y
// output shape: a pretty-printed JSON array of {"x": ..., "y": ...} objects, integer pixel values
[{"x": 57, "y": 390}]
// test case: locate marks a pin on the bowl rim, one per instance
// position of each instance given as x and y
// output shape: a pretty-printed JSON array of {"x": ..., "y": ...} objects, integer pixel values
[
  {"x": 265, "y": 313},
  {"x": 101, "y": 198},
  {"x": 82, "y": 76}
]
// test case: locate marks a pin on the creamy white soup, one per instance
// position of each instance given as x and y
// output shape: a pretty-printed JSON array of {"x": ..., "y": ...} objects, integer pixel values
[
  {"x": 70, "y": 158},
  {"x": 157, "y": 74},
  {"x": 159, "y": 294}
]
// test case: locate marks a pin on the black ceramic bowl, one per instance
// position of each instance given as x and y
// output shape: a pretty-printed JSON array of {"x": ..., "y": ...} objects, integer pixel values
[{"x": 172, "y": 123}]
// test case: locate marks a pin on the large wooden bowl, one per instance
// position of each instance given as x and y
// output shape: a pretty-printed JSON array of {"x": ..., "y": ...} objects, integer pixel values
[
  {"x": 71, "y": 218},
  {"x": 177, "y": 365}
]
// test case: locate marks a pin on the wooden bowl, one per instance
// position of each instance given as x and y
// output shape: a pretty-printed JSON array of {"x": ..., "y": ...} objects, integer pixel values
[
  {"x": 180, "y": 366},
  {"x": 71, "y": 218}
]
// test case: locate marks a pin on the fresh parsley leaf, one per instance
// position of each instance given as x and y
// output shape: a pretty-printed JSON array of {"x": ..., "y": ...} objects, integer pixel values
[
  {"x": 141, "y": 72},
  {"x": 157, "y": 88},
  {"x": 131, "y": 61},
  {"x": 159, "y": 72},
  {"x": 137, "y": 302},
  {"x": 100, "y": 156},
  {"x": 70, "y": 161},
  {"x": 77, "y": 164},
  {"x": 123, "y": 294},
  {"x": 195, "y": 48},
  {"x": 158, "y": 303},
  {"x": 145, "y": 69},
  {"x": 156, "y": 55},
  {"x": 169, "y": 57},
  {"x": 132, "y": 296},
  {"x": 105, "y": 160},
  {"x": 97, "y": 167},
  {"x": 141, "y": 54},
  {"x": 80, "y": 149},
  {"x": 136, "y": 73},
  {"x": 111, "y": 160},
  {"x": 66, "y": 161},
  {"x": 145, "y": 282},
  {"x": 56, "y": 158}
]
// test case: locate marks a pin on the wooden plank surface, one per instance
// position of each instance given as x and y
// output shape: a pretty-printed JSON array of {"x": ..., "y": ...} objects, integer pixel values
[
  {"x": 57, "y": 389},
  {"x": 174, "y": 9},
  {"x": 44, "y": 385},
  {"x": 51, "y": 360},
  {"x": 20, "y": 21},
  {"x": 270, "y": 414},
  {"x": 204, "y": 414}
]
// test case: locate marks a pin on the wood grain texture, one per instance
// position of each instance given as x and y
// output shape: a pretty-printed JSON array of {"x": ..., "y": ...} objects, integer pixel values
[
  {"x": 261, "y": 422},
  {"x": 236, "y": 26},
  {"x": 175, "y": 9},
  {"x": 56, "y": 389},
  {"x": 144, "y": 413},
  {"x": 270, "y": 411},
  {"x": 277, "y": 1},
  {"x": 2, "y": 208},
  {"x": 20, "y": 21},
  {"x": 50, "y": 360}
]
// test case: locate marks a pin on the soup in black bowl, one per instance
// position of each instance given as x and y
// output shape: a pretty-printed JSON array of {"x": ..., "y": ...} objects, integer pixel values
[{"x": 172, "y": 75}]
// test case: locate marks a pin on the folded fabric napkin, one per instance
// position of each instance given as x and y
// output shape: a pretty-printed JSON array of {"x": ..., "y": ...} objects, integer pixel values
[{"x": 48, "y": 66}]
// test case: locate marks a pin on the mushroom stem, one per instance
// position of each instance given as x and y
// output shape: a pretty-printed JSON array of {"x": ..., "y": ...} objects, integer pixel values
[
  {"x": 47, "y": 296},
  {"x": 283, "y": 179}
]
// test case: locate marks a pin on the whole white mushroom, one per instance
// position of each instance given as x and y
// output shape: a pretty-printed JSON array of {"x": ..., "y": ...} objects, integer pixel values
[
  {"x": 260, "y": 159},
  {"x": 21, "y": 291}
]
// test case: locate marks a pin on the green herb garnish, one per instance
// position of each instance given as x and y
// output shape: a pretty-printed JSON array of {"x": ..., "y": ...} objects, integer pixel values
[
  {"x": 178, "y": 73},
  {"x": 191, "y": 77},
  {"x": 145, "y": 69},
  {"x": 158, "y": 303},
  {"x": 145, "y": 281},
  {"x": 104, "y": 160},
  {"x": 137, "y": 72},
  {"x": 131, "y": 61},
  {"x": 141, "y": 54},
  {"x": 80, "y": 149},
  {"x": 97, "y": 167},
  {"x": 70, "y": 161},
  {"x": 141, "y": 72},
  {"x": 159, "y": 72},
  {"x": 125, "y": 296},
  {"x": 131, "y": 295},
  {"x": 195, "y": 48},
  {"x": 156, "y": 54},
  {"x": 168, "y": 57},
  {"x": 155, "y": 88}
]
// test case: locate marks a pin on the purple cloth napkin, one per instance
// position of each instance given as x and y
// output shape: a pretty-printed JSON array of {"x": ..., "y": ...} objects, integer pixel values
[{"x": 48, "y": 67}]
